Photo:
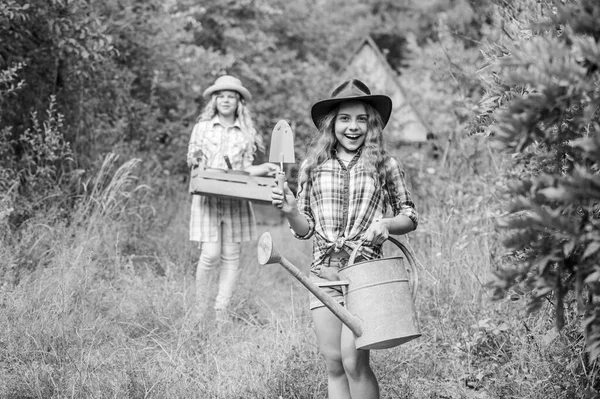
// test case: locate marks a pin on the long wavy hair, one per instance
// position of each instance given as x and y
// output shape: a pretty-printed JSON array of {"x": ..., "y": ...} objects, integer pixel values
[
  {"x": 243, "y": 114},
  {"x": 373, "y": 155}
]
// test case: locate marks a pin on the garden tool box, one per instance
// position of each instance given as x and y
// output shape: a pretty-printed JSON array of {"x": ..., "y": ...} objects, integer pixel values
[{"x": 232, "y": 184}]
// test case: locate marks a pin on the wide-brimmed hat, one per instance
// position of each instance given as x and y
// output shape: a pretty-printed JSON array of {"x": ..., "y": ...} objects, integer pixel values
[
  {"x": 227, "y": 82},
  {"x": 352, "y": 89}
]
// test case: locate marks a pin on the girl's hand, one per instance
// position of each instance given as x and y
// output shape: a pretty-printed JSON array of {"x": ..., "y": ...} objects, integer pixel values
[
  {"x": 328, "y": 273},
  {"x": 265, "y": 169},
  {"x": 377, "y": 233},
  {"x": 196, "y": 158},
  {"x": 284, "y": 200},
  {"x": 193, "y": 162}
]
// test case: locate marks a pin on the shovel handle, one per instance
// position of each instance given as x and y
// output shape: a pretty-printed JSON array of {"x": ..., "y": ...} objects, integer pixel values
[{"x": 280, "y": 177}]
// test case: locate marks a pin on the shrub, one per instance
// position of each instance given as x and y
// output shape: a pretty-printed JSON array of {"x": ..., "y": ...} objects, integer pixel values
[{"x": 546, "y": 91}]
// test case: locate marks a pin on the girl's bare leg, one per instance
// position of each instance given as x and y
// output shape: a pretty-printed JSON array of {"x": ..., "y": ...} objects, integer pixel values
[
  {"x": 328, "y": 329},
  {"x": 361, "y": 379}
]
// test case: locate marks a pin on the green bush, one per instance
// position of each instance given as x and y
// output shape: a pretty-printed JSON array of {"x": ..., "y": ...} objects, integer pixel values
[{"x": 546, "y": 89}]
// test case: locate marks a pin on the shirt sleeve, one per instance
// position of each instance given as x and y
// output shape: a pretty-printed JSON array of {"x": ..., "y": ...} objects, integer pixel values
[
  {"x": 249, "y": 152},
  {"x": 195, "y": 143},
  {"x": 305, "y": 209},
  {"x": 399, "y": 195}
]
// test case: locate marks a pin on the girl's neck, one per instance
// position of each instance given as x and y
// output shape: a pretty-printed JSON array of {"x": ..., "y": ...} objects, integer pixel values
[
  {"x": 227, "y": 121},
  {"x": 344, "y": 154}
]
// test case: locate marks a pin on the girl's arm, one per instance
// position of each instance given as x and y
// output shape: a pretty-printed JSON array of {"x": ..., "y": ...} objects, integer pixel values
[
  {"x": 265, "y": 169},
  {"x": 406, "y": 217},
  {"x": 298, "y": 223},
  {"x": 399, "y": 224},
  {"x": 195, "y": 147},
  {"x": 380, "y": 230},
  {"x": 286, "y": 202}
]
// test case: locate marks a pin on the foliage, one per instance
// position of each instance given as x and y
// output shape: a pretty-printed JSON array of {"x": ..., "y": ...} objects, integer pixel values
[
  {"x": 128, "y": 76},
  {"x": 99, "y": 320},
  {"x": 106, "y": 305},
  {"x": 34, "y": 179},
  {"x": 61, "y": 45},
  {"x": 548, "y": 89},
  {"x": 8, "y": 86}
]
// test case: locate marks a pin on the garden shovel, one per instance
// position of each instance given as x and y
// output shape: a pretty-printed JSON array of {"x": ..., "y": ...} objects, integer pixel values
[{"x": 282, "y": 148}]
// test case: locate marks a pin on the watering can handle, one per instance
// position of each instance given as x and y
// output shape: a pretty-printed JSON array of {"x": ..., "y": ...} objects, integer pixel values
[{"x": 413, "y": 277}]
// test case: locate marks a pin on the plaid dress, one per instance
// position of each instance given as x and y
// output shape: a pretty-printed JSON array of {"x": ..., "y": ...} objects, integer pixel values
[
  {"x": 210, "y": 142},
  {"x": 341, "y": 202}
]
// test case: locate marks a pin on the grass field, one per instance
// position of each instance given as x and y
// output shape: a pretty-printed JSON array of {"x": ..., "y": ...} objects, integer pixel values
[{"x": 106, "y": 311}]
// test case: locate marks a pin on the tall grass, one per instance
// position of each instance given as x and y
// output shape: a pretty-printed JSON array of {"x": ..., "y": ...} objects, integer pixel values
[{"x": 106, "y": 311}]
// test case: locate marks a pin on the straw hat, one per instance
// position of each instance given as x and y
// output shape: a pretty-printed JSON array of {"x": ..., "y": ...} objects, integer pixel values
[
  {"x": 227, "y": 82},
  {"x": 352, "y": 89}
]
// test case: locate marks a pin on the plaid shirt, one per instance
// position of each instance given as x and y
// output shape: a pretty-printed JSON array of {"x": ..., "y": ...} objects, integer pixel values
[
  {"x": 210, "y": 142},
  {"x": 341, "y": 203}
]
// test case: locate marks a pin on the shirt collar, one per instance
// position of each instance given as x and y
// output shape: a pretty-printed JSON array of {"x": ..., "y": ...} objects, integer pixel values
[
  {"x": 358, "y": 152},
  {"x": 353, "y": 161},
  {"x": 216, "y": 121}
]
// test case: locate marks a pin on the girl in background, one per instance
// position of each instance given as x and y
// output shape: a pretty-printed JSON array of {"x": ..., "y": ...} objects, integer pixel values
[
  {"x": 223, "y": 137},
  {"x": 350, "y": 191}
]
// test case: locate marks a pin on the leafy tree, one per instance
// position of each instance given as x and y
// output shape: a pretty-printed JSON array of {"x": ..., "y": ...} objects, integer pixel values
[
  {"x": 42, "y": 172},
  {"x": 127, "y": 75},
  {"x": 35, "y": 160},
  {"x": 547, "y": 84},
  {"x": 60, "y": 45}
]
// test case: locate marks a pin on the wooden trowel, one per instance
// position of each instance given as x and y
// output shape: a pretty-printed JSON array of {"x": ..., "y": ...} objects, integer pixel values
[{"x": 282, "y": 148}]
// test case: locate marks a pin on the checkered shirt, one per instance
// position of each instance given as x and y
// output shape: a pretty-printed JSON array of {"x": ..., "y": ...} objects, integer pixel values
[
  {"x": 341, "y": 203},
  {"x": 208, "y": 214}
]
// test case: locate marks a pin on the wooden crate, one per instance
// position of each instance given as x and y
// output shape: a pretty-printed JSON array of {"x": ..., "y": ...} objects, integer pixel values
[{"x": 231, "y": 183}]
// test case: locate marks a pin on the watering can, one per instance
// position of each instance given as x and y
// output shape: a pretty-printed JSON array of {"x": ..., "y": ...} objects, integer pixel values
[{"x": 377, "y": 293}]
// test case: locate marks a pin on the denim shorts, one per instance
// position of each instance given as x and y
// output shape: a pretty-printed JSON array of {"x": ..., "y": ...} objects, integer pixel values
[{"x": 335, "y": 292}]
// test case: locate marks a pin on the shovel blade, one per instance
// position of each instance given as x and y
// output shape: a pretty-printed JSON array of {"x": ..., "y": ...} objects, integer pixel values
[{"x": 282, "y": 143}]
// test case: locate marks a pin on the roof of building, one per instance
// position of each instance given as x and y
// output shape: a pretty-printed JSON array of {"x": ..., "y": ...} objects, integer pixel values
[{"x": 368, "y": 63}]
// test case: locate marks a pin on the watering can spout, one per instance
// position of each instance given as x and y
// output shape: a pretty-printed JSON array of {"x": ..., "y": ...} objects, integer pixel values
[
  {"x": 266, "y": 251},
  {"x": 268, "y": 254}
]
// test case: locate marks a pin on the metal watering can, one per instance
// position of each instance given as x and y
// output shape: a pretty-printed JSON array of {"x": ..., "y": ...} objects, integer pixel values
[{"x": 377, "y": 293}]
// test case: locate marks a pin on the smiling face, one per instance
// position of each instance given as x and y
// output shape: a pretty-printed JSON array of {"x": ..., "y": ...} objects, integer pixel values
[
  {"x": 227, "y": 103},
  {"x": 350, "y": 127}
]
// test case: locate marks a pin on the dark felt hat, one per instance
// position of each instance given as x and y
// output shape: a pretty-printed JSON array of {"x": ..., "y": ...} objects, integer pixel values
[{"x": 352, "y": 89}]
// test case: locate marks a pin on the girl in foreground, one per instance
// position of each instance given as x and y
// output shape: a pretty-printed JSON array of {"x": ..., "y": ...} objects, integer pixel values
[{"x": 349, "y": 191}]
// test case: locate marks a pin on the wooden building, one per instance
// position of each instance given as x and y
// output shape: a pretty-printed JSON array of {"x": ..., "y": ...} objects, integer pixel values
[{"x": 368, "y": 64}]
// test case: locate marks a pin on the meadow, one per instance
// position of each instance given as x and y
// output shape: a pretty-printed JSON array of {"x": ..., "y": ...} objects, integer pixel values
[
  {"x": 96, "y": 270},
  {"x": 105, "y": 311}
]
